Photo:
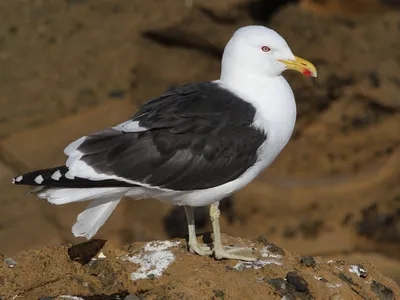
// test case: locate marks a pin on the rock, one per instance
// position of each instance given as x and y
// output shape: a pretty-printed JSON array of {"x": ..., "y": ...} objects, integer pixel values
[
  {"x": 85, "y": 252},
  {"x": 383, "y": 292},
  {"x": 10, "y": 262},
  {"x": 219, "y": 294},
  {"x": 294, "y": 287},
  {"x": 48, "y": 273},
  {"x": 297, "y": 281},
  {"x": 308, "y": 261}
]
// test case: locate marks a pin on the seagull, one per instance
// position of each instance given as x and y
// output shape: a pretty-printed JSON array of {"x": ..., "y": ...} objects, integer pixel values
[{"x": 192, "y": 146}]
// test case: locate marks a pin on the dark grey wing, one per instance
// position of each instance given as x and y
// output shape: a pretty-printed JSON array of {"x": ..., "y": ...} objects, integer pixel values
[{"x": 194, "y": 137}]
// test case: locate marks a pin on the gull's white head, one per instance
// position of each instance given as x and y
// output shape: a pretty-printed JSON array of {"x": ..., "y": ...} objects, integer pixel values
[{"x": 261, "y": 51}]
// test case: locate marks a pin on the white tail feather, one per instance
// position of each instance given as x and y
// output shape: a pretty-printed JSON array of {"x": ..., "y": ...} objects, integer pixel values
[
  {"x": 60, "y": 196},
  {"x": 93, "y": 217}
]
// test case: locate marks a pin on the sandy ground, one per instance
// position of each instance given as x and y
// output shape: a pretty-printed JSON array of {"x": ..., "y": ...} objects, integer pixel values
[
  {"x": 166, "y": 270},
  {"x": 334, "y": 191}
]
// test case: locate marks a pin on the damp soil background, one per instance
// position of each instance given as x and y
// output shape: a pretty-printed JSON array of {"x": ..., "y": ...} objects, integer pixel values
[{"x": 71, "y": 67}]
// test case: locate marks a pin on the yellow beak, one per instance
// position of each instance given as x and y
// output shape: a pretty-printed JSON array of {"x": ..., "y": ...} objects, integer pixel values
[{"x": 301, "y": 65}]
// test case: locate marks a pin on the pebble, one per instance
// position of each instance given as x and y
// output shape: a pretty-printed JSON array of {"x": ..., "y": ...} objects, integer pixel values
[
  {"x": 298, "y": 281},
  {"x": 308, "y": 261},
  {"x": 383, "y": 292},
  {"x": 10, "y": 262}
]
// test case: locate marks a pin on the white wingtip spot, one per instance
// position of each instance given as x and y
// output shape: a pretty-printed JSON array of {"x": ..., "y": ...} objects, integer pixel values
[
  {"x": 18, "y": 179},
  {"x": 39, "y": 179},
  {"x": 56, "y": 175}
]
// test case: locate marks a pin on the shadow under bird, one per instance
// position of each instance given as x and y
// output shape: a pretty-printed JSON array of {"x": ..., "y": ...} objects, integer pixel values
[{"x": 192, "y": 146}]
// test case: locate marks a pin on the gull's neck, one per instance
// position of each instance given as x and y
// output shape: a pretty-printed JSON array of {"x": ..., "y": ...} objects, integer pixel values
[
  {"x": 270, "y": 95},
  {"x": 244, "y": 80}
]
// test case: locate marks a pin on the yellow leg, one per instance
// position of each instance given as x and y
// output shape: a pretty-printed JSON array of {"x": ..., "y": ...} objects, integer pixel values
[
  {"x": 221, "y": 252},
  {"x": 194, "y": 246}
]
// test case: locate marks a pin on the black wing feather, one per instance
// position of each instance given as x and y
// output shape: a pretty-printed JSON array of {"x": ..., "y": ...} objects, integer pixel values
[{"x": 199, "y": 136}]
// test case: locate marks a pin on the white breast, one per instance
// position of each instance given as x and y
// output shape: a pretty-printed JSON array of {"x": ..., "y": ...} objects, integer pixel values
[{"x": 276, "y": 111}]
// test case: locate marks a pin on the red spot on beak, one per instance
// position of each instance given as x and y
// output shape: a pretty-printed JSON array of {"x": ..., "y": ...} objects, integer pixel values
[{"x": 307, "y": 72}]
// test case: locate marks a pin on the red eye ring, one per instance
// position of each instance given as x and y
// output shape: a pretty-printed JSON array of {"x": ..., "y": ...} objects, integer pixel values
[{"x": 265, "y": 48}]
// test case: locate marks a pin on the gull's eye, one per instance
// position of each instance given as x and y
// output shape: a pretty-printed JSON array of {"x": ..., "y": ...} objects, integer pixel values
[{"x": 265, "y": 48}]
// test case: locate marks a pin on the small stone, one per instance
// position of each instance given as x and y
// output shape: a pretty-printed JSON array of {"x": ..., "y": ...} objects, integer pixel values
[
  {"x": 10, "y": 262},
  {"x": 295, "y": 279},
  {"x": 84, "y": 252},
  {"x": 308, "y": 261},
  {"x": 219, "y": 294},
  {"x": 383, "y": 292}
]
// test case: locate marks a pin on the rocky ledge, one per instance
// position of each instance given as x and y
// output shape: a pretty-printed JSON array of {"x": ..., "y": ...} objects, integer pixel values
[{"x": 166, "y": 270}]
